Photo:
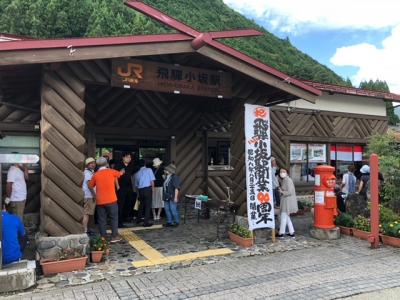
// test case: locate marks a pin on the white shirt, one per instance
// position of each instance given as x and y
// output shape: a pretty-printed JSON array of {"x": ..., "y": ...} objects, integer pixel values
[
  {"x": 17, "y": 177},
  {"x": 345, "y": 181},
  {"x": 87, "y": 176}
]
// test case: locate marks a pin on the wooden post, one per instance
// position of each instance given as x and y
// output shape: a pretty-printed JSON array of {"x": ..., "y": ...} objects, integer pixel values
[
  {"x": 273, "y": 235},
  {"x": 374, "y": 236}
]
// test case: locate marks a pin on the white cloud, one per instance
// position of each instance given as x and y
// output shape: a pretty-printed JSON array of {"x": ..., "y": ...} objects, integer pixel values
[
  {"x": 303, "y": 15},
  {"x": 372, "y": 62}
]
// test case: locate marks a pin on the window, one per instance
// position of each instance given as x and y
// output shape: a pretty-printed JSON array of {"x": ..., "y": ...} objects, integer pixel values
[
  {"x": 219, "y": 154},
  {"x": 304, "y": 158},
  {"x": 344, "y": 155}
]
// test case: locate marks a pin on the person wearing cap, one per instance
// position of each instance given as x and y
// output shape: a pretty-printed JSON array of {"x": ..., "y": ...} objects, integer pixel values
[
  {"x": 171, "y": 188},
  {"x": 158, "y": 203},
  {"x": 363, "y": 188},
  {"x": 106, "y": 197},
  {"x": 144, "y": 183},
  {"x": 89, "y": 203}
]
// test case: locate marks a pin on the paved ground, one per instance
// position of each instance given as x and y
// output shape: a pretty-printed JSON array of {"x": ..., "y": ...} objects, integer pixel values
[{"x": 332, "y": 270}]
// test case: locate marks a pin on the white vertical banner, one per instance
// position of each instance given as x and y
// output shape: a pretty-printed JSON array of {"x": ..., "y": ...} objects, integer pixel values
[{"x": 260, "y": 201}]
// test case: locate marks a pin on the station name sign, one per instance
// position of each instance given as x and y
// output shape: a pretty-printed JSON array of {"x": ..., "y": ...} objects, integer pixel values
[{"x": 168, "y": 78}]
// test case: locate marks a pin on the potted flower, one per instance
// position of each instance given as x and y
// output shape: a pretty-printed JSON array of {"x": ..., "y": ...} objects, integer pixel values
[
  {"x": 68, "y": 260},
  {"x": 391, "y": 233},
  {"x": 345, "y": 223},
  {"x": 362, "y": 227},
  {"x": 98, "y": 247},
  {"x": 241, "y": 236}
]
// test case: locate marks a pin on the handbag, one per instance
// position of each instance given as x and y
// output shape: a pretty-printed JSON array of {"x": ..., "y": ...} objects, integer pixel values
[{"x": 137, "y": 204}]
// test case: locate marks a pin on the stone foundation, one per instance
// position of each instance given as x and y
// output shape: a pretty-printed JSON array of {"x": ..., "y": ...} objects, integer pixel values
[
  {"x": 52, "y": 247},
  {"x": 17, "y": 276},
  {"x": 325, "y": 234}
]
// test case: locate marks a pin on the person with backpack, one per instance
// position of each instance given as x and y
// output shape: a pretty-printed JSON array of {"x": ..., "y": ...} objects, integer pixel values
[{"x": 349, "y": 181}]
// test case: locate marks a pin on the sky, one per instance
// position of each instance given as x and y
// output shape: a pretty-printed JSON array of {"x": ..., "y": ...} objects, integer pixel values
[{"x": 358, "y": 39}]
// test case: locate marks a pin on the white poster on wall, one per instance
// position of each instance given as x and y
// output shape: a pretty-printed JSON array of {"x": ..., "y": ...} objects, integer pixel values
[{"x": 260, "y": 202}]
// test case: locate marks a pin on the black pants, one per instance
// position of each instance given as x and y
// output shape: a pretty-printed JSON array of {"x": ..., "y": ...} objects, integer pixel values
[
  {"x": 126, "y": 199},
  {"x": 277, "y": 197},
  {"x": 146, "y": 198}
]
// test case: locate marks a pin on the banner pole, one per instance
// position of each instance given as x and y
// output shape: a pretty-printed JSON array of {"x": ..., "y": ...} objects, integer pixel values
[{"x": 273, "y": 235}]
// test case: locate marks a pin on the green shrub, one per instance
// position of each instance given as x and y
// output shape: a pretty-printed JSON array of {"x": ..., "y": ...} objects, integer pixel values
[
  {"x": 386, "y": 215},
  {"x": 300, "y": 205},
  {"x": 241, "y": 231},
  {"x": 391, "y": 229},
  {"x": 98, "y": 243},
  {"x": 345, "y": 220},
  {"x": 362, "y": 223}
]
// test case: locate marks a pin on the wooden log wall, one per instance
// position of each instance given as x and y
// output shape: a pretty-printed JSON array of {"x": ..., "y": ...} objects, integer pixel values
[
  {"x": 63, "y": 144},
  {"x": 304, "y": 126}
]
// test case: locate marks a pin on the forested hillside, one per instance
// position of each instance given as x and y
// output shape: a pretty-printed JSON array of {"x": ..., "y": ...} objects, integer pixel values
[{"x": 77, "y": 18}]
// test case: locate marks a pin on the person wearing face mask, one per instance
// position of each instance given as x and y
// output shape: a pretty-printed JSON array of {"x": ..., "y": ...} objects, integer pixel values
[
  {"x": 16, "y": 189},
  {"x": 275, "y": 183},
  {"x": 288, "y": 203},
  {"x": 171, "y": 188}
]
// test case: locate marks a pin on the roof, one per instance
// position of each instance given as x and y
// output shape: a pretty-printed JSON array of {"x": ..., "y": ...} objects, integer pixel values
[
  {"x": 353, "y": 91},
  {"x": 197, "y": 39},
  {"x": 4, "y": 37}
]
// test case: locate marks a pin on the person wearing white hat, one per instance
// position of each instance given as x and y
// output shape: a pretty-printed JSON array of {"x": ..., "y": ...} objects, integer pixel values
[
  {"x": 89, "y": 202},
  {"x": 158, "y": 203},
  {"x": 363, "y": 188}
]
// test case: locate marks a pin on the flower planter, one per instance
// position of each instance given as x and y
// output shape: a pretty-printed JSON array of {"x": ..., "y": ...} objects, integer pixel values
[
  {"x": 390, "y": 240},
  {"x": 243, "y": 242},
  {"x": 346, "y": 230},
  {"x": 61, "y": 266},
  {"x": 96, "y": 256},
  {"x": 361, "y": 234}
]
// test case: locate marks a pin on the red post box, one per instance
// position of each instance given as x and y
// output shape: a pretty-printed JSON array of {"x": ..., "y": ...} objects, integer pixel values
[{"x": 325, "y": 209}]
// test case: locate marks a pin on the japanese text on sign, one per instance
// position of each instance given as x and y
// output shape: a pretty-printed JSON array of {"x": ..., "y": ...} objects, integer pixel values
[
  {"x": 260, "y": 207},
  {"x": 155, "y": 76}
]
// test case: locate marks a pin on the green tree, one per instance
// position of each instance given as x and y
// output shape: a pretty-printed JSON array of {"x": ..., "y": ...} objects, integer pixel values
[
  {"x": 78, "y": 18},
  {"x": 381, "y": 86},
  {"x": 388, "y": 150}
]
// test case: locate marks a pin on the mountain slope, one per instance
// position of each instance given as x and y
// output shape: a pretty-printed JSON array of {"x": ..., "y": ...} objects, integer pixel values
[{"x": 73, "y": 18}]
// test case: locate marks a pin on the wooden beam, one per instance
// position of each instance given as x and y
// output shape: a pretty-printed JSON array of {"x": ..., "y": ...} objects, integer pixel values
[
  {"x": 52, "y": 228},
  {"x": 59, "y": 141},
  {"x": 63, "y": 200},
  {"x": 133, "y": 132},
  {"x": 24, "y": 57},
  {"x": 57, "y": 213},
  {"x": 255, "y": 73},
  {"x": 63, "y": 126},
  {"x": 54, "y": 99},
  {"x": 62, "y": 181},
  {"x": 17, "y": 127},
  {"x": 72, "y": 96},
  {"x": 63, "y": 163}
]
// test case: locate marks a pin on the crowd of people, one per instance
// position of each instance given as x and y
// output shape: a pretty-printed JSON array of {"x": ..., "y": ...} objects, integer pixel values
[
  {"x": 13, "y": 230},
  {"x": 129, "y": 192}
]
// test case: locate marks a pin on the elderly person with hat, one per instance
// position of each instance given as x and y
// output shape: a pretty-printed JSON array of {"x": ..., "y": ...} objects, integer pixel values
[
  {"x": 106, "y": 197},
  {"x": 89, "y": 204},
  {"x": 171, "y": 188},
  {"x": 158, "y": 203}
]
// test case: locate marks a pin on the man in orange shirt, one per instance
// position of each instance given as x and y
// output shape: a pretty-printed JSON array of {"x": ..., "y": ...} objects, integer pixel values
[{"x": 106, "y": 197}]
